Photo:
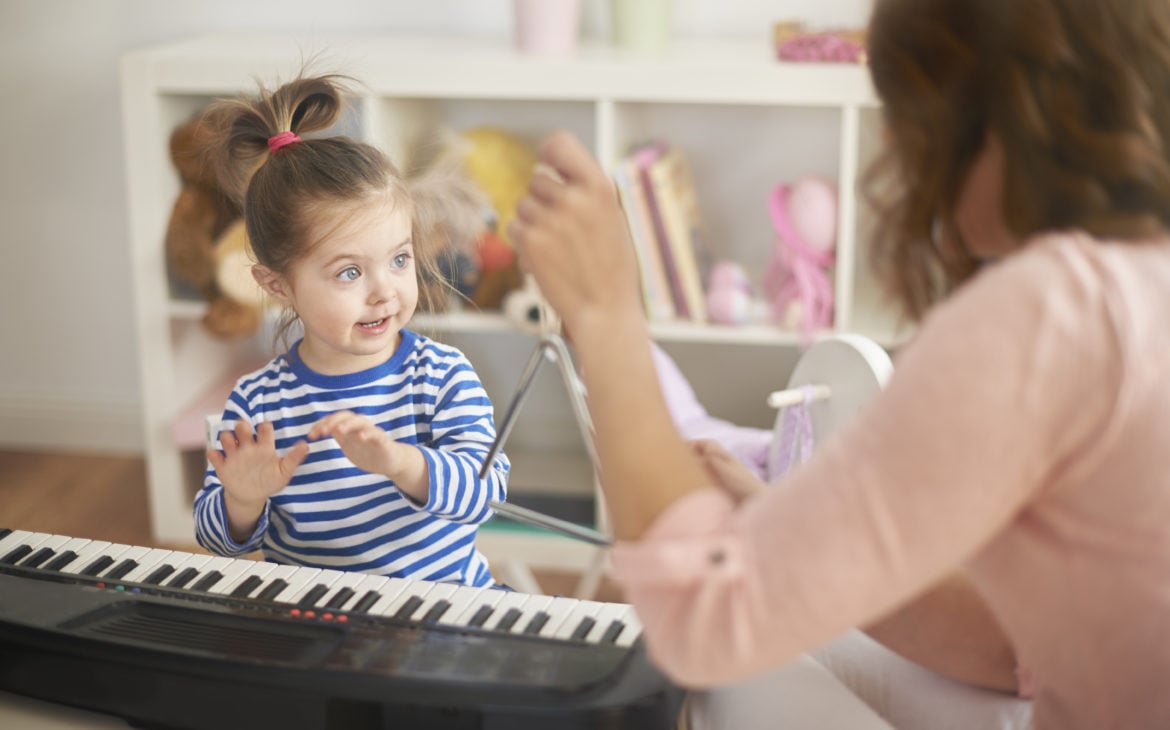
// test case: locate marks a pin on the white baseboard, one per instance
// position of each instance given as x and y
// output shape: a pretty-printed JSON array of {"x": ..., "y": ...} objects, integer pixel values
[{"x": 44, "y": 424}]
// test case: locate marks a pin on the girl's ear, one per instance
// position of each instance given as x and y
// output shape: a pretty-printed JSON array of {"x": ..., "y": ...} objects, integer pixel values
[{"x": 272, "y": 283}]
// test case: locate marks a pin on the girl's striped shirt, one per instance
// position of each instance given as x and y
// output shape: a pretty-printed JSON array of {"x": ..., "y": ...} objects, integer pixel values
[{"x": 334, "y": 515}]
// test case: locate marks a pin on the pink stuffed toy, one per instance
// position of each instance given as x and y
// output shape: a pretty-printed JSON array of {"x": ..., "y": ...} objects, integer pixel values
[
  {"x": 796, "y": 281},
  {"x": 729, "y": 294}
]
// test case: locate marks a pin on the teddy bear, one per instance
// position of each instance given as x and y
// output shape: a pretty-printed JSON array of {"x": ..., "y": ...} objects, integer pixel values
[{"x": 204, "y": 228}]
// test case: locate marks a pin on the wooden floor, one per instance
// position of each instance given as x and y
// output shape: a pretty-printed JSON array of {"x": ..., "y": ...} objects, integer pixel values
[{"x": 103, "y": 497}]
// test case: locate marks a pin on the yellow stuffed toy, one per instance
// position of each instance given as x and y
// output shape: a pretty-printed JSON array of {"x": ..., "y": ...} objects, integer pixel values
[{"x": 501, "y": 164}]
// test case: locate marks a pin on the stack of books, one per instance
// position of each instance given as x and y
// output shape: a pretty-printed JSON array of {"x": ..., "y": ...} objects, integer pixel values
[{"x": 657, "y": 192}]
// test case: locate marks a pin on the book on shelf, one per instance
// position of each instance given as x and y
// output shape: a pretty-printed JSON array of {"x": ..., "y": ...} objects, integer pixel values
[
  {"x": 674, "y": 195},
  {"x": 656, "y": 294}
]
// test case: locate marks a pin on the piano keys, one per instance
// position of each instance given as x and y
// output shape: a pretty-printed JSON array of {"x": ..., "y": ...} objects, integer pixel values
[{"x": 185, "y": 640}]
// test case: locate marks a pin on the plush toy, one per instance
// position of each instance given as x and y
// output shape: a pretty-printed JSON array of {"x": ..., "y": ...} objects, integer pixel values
[
  {"x": 202, "y": 214},
  {"x": 502, "y": 165},
  {"x": 796, "y": 281},
  {"x": 450, "y": 218},
  {"x": 730, "y": 297}
]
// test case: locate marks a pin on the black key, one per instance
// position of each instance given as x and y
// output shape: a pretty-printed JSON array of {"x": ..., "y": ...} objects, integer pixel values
[
  {"x": 183, "y": 578},
  {"x": 38, "y": 557},
  {"x": 510, "y": 618},
  {"x": 4, "y": 532},
  {"x": 158, "y": 575},
  {"x": 98, "y": 566},
  {"x": 407, "y": 609},
  {"x": 62, "y": 560},
  {"x": 481, "y": 616},
  {"x": 309, "y": 600},
  {"x": 613, "y": 632},
  {"x": 15, "y": 555},
  {"x": 272, "y": 590},
  {"x": 246, "y": 586},
  {"x": 537, "y": 623},
  {"x": 122, "y": 569},
  {"x": 366, "y": 601},
  {"x": 583, "y": 628},
  {"x": 207, "y": 581},
  {"x": 340, "y": 598},
  {"x": 436, "y": 611}
]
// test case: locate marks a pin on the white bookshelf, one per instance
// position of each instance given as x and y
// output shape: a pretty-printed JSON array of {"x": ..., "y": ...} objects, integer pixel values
[{"x": 746, "y": 122}]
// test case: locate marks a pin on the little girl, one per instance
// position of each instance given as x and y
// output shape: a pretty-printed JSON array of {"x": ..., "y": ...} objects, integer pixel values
[{"x": 360, "y": 447}]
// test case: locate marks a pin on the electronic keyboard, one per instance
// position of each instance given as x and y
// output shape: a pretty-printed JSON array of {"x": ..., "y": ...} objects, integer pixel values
[{"x": 169, "y": 639}]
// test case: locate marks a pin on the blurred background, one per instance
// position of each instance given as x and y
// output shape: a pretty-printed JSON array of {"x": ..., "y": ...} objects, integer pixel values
[{"x": 68, "y": 365}]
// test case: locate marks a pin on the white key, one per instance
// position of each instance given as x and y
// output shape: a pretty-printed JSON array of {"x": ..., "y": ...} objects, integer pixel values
[
  {"x": 217, "y": 563},
  {"x": 580, "y": 612},
  {"x": 87, "y": 554},
  {"x": 489, "y": 597},
  {"x": 277, "y": 573},
  {"x": 54, "y": 543},
  {"x": 632, "y": 631},
  {"x": 361, "y": 588},
  {"x": 111, "y": 551},
  {"x": 191, "y": 561},
  {"x": 227, "y": 567},
  {"x": 15, "y": 539},
  {"x": 345, "y": 580},
  {"x": 609, "y": 613},
  {"x": 73, "y": 546},
  {"x": 460, "y": 600},
  {"x": 32, "y": 539},
  {"x": 152, "y": 559},
  {"x": 413, "y": 588},
  {"x": 559, "y": 610},
  {"x": 437, "y": 592},
  {"x": 529, "y": 607},
  {"x": 326, "y": 578},
  {"x": 240, "y": 571},
  {"x": 134, "y": 552},
  {"x": 296, "y": 583},
  {"x": 391, "y": 592}
]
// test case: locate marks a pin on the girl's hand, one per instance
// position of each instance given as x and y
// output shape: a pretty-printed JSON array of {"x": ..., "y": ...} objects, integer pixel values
[
  {"x": 251, "y": 471},
  {"x": 363, "y": 441},
  {"x": 571, "y": 234},
  {"x": 726, "y": 472}
]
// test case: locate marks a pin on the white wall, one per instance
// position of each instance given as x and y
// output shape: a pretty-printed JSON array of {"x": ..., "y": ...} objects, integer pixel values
[{"x": 68, "y": 370}]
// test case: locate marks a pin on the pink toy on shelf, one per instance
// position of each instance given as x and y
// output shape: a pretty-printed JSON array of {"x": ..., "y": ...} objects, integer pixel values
[
  {"x": 796, "y": 282},
  {"x": 729, "y": 294}
]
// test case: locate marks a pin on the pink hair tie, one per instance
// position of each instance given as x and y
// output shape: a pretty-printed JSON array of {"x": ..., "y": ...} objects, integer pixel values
[{"x": 283, "y": 139}]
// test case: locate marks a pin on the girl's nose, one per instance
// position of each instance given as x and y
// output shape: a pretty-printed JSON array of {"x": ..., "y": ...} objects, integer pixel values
[{"x": 381, "y": 288}]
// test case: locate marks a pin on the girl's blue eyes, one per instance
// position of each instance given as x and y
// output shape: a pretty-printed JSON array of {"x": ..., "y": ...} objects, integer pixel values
[{"x": 353, "y": 273}]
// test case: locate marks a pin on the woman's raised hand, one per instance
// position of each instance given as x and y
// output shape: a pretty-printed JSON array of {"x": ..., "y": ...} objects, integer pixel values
[{"x": 571, "y": 235}]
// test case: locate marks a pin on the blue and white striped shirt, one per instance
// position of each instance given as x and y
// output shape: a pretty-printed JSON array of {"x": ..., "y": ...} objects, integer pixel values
[{"x": 334, "y": 515}]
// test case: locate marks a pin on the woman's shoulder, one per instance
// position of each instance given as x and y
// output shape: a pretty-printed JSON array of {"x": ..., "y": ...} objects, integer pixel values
[{"x": 1060, "y": 282}]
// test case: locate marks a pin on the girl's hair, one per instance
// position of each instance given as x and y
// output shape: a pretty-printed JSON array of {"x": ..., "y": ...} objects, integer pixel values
[
  {"x": 283, "y": 192},
  {"x": 1078, "y": 93}
]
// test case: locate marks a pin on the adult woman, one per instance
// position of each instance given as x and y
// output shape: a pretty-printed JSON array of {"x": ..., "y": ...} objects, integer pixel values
[{"x": 1021, "y": 438}]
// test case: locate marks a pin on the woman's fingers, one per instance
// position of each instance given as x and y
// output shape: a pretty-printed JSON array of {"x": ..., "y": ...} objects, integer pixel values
[{"x": 565, "y": 154}]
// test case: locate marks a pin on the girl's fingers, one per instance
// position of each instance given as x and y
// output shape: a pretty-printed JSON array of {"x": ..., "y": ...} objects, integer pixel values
[
  {"x": 292, "y": 459},
  {"x": 228, "y": 440},
  {"x": 265, "y": 435}
]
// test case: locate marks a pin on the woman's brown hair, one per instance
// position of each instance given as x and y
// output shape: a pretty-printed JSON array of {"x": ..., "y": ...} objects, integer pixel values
[
  {"x": 1078, "y": 94},
  {"x": 283, "y": 192}
]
